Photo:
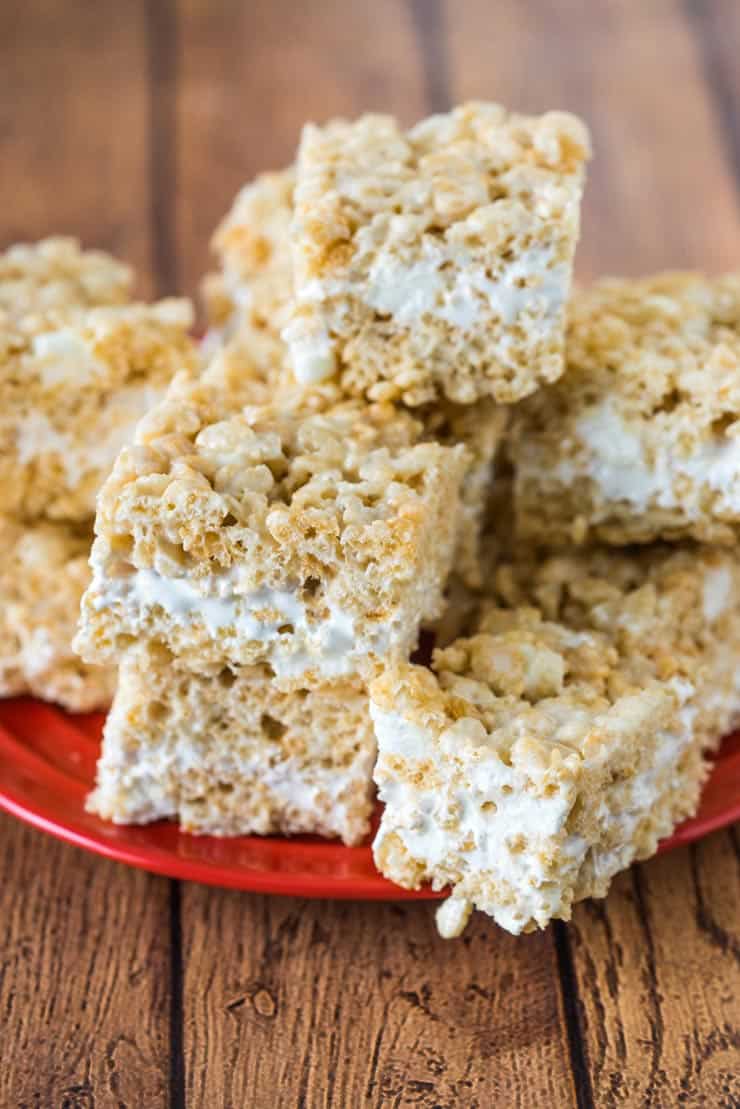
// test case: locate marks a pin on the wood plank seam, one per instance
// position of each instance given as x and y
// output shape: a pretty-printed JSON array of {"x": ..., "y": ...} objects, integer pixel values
[
  {"x": 162, "y": 40},
  {"x": 718, "y": 936},
  {"x": 570, "y": 998},
  {"x": 177, "y": 1009},
  {"x": 428, "y": 22},
  {"x": 162, "y": 44},
  {"x": 650, "y": 981},
  {"x": 705, "y": 32}
]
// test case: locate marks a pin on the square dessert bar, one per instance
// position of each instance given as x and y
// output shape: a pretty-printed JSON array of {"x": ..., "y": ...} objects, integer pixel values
[
  {"x": 57, "y": 274},
  {"x": 252, "y": 525},
  {"x": 43, "y": 573},
  {"x": 229, "y": 754},
  {"x": 252, "y": 291},
  {"x": 564, "y": 738},
  {"x": 247, "y": 302},
  {"x": 640, "y": 440},
  {"x": 436, "y": 262},
  {"x": 73, "y": 384}
]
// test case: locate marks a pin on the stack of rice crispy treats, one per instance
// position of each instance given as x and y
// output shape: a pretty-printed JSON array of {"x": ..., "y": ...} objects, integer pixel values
[
  {"x": 80, "y": 363},
  {"x": 402, "y": 419}
]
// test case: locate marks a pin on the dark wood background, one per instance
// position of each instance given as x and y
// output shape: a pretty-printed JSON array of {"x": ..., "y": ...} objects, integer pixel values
[{"x": 132, "y": 124}]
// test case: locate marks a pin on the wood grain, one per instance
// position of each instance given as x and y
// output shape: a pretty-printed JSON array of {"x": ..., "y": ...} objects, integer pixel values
[
  {"x": 716, "y": 30},
  {"x": 133, "y": 125},
  {"x": 339, "y": 1004},
  {"x": 250, "y": 75},
  {"x": 84, "y": 979},
  {"x": 659, "y": 192},
  {"x": 656, "y": 965},
  {"x": 336, "y": 1004},
  {"x": 658, "y": 971},
  {"x": 74, "y": 125},
  {"x": 84, "y": 950}
]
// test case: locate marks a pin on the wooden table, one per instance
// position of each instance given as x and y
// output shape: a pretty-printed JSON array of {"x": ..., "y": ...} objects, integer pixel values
[{"x": 132, "y": 124}]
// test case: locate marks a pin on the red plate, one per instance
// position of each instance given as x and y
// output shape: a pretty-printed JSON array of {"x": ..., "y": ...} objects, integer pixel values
[{"x": 47, "y": 765}]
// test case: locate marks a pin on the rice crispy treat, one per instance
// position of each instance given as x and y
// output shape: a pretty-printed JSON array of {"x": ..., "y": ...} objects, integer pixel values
[
  {"x": 436, "y": 262},
  {"x": 229, "y": 754},
  {"x": 305, "y": 531},
  {"x": 250, "y": 295},
  {"x": 564, "y": 738},
  {"x": 247, "y": 304},
  {"x": 43, "y": 573},
  {"x": 640, "y": 440},
  {"x": 56, "y": 274},
  {"x": 73, "y": 384}
]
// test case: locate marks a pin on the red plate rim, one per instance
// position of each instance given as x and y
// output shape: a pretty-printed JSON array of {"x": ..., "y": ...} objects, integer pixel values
[{"x": 47, "y": 761}]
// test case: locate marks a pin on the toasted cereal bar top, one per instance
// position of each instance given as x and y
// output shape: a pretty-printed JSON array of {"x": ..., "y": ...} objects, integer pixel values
[
  {"x": 43, "y": 573},
  {"x": 564, "y": 737},
  {"x": 641, "y": 438},
  {"x": 57, "y": 274},
  {"x": 73, "y": 384},
  {"x": 229, "y": 754},
  {"x": 302, "y": 529},
  {"x": 436, "y": 261}
]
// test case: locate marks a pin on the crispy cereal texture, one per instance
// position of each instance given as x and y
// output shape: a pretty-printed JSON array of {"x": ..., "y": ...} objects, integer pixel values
[
  {"x": 640, "y": 440},
  {"x": 249, "y": 297},
  {"x": 56, "y": 274},
  {"x": 247, "y": 301},
  {"x": 73, "y": 385},
  {"x": 481, "y": 429},
  {"x": 307, "y": 531},
  {"x": 43, "y": 572},
  {"x": 564, "y": 738},
  {"x": 436, "y": 262},
  {"x": 231, "y": 755}
]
